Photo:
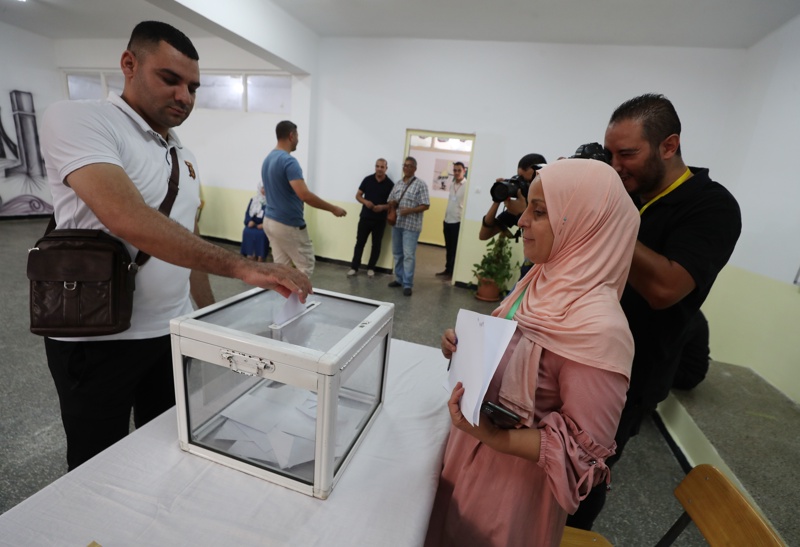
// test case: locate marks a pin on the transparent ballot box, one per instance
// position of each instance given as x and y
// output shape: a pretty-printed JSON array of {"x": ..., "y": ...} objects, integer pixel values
[{"x": 286, "y": 400}]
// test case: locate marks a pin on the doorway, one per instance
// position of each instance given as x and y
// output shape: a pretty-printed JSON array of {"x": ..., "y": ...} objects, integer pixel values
[{"x": 435, "y": 152}]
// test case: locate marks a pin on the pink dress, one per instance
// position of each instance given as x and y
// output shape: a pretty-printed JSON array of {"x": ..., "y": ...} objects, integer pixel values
[{"x": 494, "y": 499}]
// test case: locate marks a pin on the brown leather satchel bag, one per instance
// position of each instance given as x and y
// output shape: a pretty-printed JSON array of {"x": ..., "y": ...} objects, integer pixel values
[
  {"x": 391, "y": 216},
  {"x": 82, "y": 284},
  {"x": 82, "y": 281}
]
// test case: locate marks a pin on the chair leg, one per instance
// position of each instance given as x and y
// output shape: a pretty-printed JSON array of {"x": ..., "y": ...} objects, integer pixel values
[{"x": 676, "y": 529}]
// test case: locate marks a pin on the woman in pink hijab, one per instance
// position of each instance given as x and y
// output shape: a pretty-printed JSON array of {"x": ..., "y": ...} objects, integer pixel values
[{"x": 565, "y": 372}]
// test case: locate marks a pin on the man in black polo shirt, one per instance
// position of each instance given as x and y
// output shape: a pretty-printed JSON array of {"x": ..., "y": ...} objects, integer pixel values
[
  {"x": 690, "y": 225},
  {"x": 372, "y": 195}
]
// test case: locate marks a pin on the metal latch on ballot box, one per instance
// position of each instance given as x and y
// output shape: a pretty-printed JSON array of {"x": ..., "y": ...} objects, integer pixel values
[{"x": 247, "y": 364}]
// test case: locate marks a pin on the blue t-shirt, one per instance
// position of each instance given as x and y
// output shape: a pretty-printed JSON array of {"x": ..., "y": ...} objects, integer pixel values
[{"x": 283, "y": 204}]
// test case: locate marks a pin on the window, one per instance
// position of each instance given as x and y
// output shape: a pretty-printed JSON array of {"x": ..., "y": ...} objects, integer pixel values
[
  {"x": 243, "y": 92},
  {"x": 115, "y": 82},
  {"x": 220, "y": 92},
  {"x": 85, "y": 86},
  {"x": 269, "y": 94}
]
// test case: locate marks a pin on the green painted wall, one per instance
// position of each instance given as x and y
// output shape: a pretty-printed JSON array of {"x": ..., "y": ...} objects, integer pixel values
[
  {"x": 755, "y": 322},
  {"x": 223, "y": 212},
  {"x": 432, "y": 230}
]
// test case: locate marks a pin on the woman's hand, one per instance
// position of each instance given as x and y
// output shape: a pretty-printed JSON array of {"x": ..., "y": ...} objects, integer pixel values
[
  {"x": 483, "y": 432},
  {"x": 449, "y": 343}
]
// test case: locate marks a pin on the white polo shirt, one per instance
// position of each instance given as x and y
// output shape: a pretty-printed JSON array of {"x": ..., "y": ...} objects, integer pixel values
[{"x": 80, "y": 133}]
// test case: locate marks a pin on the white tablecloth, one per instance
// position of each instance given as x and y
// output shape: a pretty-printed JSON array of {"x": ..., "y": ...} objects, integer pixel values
[{"x": 144, "y": 490}]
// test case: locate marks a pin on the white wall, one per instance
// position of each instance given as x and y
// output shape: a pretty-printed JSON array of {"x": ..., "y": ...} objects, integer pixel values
[
  {"x": 215, "y": 55},
  {"x": 740, "y": 113},
  {"x": 517, "y": 98},
  {"x": 27, "y": 63},
  {"x": 765, "y": 147},
  {"x": 258, "y": 26}
]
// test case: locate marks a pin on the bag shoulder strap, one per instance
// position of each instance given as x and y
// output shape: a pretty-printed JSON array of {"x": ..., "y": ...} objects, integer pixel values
[
  {"x": 165, "y": 208},
  {"x": 169, "y": 200},
  {"x": 413, "y": 180}
]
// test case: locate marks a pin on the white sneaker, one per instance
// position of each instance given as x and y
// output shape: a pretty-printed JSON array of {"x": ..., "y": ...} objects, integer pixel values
[
  {"x": 370, "y": 273},
  {"x": 351, "y": 273}
]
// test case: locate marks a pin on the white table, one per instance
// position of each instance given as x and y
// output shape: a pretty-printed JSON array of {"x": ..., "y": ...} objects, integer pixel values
[{"x": 144, "y": 490}]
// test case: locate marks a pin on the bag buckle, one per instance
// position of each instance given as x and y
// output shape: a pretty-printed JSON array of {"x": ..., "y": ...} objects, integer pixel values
[{"x": 70, "y": 285}]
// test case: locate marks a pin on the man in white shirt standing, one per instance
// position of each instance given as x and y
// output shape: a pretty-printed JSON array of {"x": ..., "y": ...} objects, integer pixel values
[
  {"x": 108, "y": 167},
  {"x": 452, "y": 218}
]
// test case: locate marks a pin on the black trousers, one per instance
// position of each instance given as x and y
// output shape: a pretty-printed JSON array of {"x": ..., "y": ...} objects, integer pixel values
[
  {"x": 367, "y": 227},
  {"x": 590, "y": 507},
  {"x": 450, "y": 244},
  {"x": 98, "y": 383}
]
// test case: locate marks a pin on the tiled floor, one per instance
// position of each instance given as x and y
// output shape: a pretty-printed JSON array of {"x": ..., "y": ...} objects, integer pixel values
[{"x": 640, "y": 509}]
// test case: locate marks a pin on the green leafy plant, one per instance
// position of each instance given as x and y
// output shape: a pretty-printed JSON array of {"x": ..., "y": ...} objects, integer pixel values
[{"x": 496, "y": 262}]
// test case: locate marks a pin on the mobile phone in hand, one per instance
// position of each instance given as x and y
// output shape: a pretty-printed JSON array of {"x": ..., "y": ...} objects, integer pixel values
[{"x": 500, "y": 416}]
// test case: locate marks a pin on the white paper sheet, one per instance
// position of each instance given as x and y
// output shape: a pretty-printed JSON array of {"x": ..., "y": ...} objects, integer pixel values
[
  {"x": 291, "y": 308},
  {"x": 482, "y": 340},
  {"x": 278, "y": 424},
  {"x": 290, "y": 450}
]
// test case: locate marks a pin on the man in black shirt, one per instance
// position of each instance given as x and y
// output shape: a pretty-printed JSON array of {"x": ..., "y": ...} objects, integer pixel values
[
  {"x": 492, "y": 223},
  {"x": 372, "y": 195},
  {"x": 694, "y": 357},
  {"x": 690, "y": 225}
]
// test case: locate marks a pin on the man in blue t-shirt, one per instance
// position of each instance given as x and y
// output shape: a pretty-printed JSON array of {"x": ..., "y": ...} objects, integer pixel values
[{"x": 286, "y": 192}]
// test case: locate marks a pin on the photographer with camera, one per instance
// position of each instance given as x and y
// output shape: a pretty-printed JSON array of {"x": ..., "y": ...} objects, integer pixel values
[
  {"x": 510, "y": 192},
  {"x": 592, "y": 151},
  {"x": 689, "y": 228}
]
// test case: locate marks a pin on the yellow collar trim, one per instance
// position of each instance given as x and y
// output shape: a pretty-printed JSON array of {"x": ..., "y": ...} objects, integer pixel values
[{"x": 683, "y": 178}]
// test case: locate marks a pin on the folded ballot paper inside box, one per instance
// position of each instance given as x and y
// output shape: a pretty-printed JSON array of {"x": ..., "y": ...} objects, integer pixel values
[{"x": 278, "y": 389}]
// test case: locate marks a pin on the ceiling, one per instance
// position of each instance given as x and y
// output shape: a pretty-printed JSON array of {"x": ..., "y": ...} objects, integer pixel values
[{"x": 690, "y": 23}]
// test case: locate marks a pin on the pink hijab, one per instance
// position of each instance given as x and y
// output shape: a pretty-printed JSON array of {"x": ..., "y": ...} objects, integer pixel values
[{"x": 571, "y": 302}]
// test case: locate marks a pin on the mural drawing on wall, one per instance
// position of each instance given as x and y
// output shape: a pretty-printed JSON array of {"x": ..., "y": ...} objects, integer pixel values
[{"x": 23, "y": 182}]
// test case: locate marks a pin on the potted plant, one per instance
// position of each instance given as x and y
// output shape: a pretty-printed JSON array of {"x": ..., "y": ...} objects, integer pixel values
[{"x": 494, "y": 270}]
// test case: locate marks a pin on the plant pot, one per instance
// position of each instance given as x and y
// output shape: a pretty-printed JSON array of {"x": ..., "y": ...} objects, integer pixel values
[{"x": 488, "y": 291}]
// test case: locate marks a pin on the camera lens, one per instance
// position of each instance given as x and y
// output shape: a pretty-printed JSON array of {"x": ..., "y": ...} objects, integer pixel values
[{"x": 500, "y": 191}]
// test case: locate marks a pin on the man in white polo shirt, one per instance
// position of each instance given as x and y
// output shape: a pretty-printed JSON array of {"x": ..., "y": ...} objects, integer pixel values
[{"x": 108, "y": 166}]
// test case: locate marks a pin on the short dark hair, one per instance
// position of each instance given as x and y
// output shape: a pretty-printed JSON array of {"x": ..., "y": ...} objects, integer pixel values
[
  {"x": 284, "y": 129},
  {"x": 655, "y": 112},
  {"x": 152, "y": 32},
  {"x": 531, "y": 160},
  {"x": 461, "y": 163},
  {"x": 412, "y": 159}
]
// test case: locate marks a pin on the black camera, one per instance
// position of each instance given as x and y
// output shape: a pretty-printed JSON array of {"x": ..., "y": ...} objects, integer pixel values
[
  {"x": 508, "y": 188},
  {"x": 593, "y": 151}
]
